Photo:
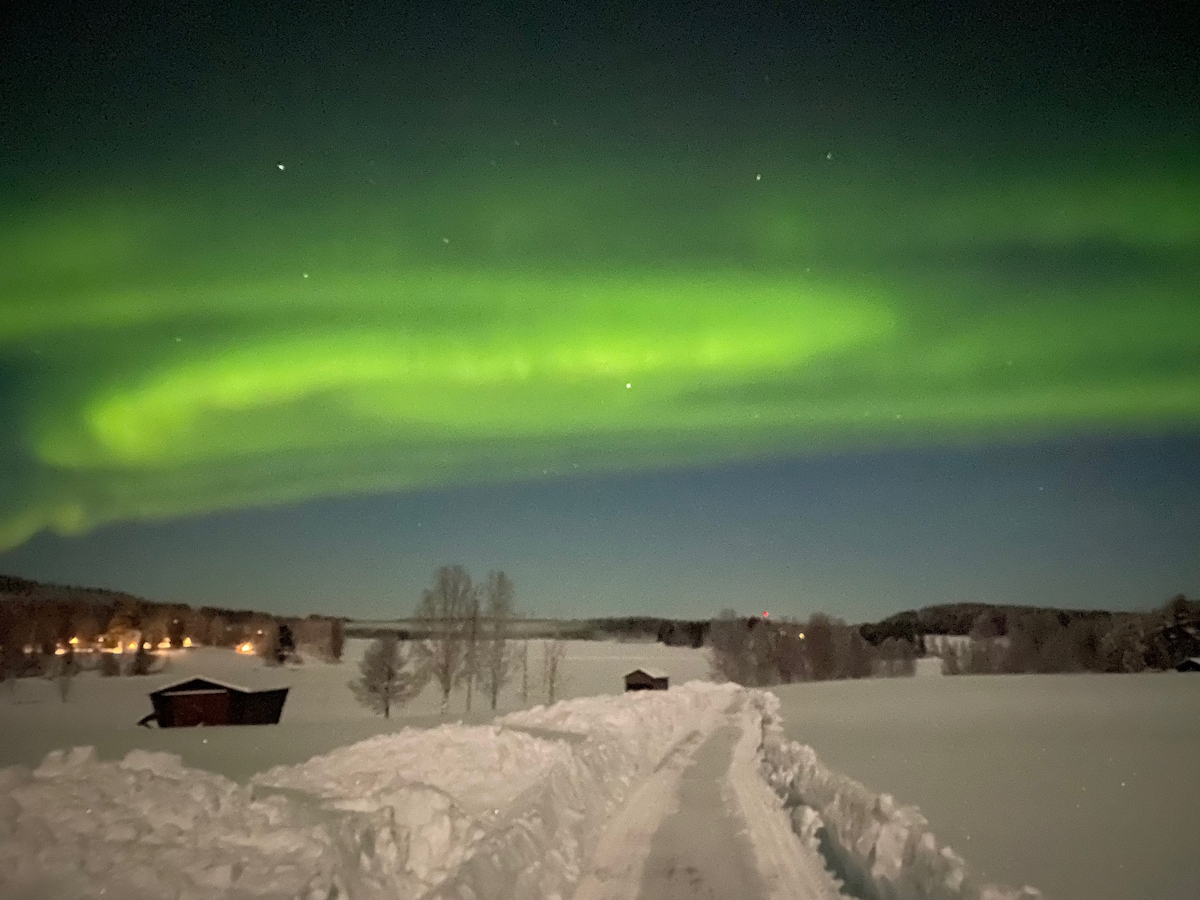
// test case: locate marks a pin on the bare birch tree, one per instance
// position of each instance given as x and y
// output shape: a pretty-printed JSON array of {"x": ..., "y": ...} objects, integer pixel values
[
  {"x": 389, "y": 676},
  {"x": 730, "y": 654},
  {"x": 821, "y": 643},
  {"x": 469, "y": 673},
  {"x": 524, "y": 660},
  {"x": 552, "y": 657},
  {"x": 790, "y": 657},
  {"x": 445, "y": 608},
  {"x": 496, "y": 661}
]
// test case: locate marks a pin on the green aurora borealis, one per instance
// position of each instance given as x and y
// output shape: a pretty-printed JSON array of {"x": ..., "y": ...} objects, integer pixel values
[{"x": 282, "y": 334}]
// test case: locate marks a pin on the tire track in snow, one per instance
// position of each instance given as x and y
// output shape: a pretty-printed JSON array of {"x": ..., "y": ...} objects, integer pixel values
[
  {"x": 705, "y": 825},
  {"x": 615, "y": 871},
  {"x": 702, "y": 850}
]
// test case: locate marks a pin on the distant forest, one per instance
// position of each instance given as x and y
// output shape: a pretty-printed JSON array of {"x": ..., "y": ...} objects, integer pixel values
[
  {"x": 37, "y": 620},
  {"x": 40, "y": 623}
]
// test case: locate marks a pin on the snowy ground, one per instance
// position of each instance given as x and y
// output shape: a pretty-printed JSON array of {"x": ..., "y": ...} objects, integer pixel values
[
  {"x": 513, "y": 809},
  {"x": 320, "y": 713},
  {"x": 531, "y": 807},
  {"x": 1080, "y": 785},
  {"x": 1083, "y": 785}
]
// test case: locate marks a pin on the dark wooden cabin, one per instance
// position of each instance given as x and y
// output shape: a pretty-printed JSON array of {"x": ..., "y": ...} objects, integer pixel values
[
  {"x": 206, "y": 701},
  {"x": 1191, "y": 664},
  {"x": 646, "y": 680}
]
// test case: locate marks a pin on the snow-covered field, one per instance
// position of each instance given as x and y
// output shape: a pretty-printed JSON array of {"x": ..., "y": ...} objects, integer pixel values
[
  {"x": 320, "y": 713},
  {"x": 1085, "y": 786},
  {"x": 1080, "y": 785}
]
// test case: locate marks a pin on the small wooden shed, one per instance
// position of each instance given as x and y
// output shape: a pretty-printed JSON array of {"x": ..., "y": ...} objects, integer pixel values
[
  {"x": 1191, "y": 664},
  {"x": 646, "y": 680},
  {"x": 206, "y": 701}
]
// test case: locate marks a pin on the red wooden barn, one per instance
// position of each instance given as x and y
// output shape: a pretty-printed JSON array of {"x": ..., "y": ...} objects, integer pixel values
[{"x": 206, "y": 701}]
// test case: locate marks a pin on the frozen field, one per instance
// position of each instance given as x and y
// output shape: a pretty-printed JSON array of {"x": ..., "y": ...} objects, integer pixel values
[
  {"x": 320, "y": 713},
  {"x": 1085, "y": 786}
]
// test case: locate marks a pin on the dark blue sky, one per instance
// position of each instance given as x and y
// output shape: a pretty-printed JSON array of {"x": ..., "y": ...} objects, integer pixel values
[
  {"x": 945, "y": 232},
  {"x": 1097, "y": 522}
]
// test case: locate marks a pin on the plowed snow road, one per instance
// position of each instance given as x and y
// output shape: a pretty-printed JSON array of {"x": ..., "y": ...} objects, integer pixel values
[{"x": 706, "y": 827}]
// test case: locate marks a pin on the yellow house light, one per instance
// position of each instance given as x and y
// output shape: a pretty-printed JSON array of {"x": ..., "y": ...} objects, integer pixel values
[
  {"x": 187, "y": 642},
  {"x": 164, "y": 644},
  {"x": 245, "y": 647},
  {"x": 74, "y": 642}
]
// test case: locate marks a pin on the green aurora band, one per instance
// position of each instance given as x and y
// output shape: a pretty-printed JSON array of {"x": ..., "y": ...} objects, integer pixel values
[{"x": 169, "y": 351}]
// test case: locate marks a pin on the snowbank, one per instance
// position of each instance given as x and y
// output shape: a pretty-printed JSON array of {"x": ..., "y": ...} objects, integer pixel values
[
  {"x": 510, "y": 810},
  {"x": 880, "y": 849},
  {"x": 537, "y": 850},
  {"x": 147, "y": 827}
]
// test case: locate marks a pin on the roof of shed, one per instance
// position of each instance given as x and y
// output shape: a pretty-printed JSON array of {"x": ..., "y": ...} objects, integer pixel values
[
  {"x": 652, "y": 673},
  {"x": 197, "y": 683}
]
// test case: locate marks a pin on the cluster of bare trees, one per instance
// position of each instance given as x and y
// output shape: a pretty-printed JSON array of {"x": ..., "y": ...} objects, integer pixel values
[
  {"x": 757, "y": 652},
  {"x": 469, "y": 645},
  {"x": 1041, "y": 641}
]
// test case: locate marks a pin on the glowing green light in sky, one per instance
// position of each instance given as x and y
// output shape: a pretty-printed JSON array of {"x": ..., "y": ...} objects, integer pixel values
[{"x": 166, "y": 353}]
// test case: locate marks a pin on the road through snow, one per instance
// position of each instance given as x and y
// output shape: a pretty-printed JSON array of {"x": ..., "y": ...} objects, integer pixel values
[
  {"x": 702, "y": 850},
  {"x": 706, "y": 827}
]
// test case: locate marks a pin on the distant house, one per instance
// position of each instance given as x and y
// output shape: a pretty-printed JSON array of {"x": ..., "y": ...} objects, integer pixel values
[
  {"x": 646, "y": 680},
  {"x": 206, "y": 701},
  {"x": 1191, "y": 664}
]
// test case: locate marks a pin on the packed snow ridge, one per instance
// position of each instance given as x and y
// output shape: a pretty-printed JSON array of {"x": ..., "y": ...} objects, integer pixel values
[
  {"x": 513, "y": 810},
  {"x": 879, "y": 849}
]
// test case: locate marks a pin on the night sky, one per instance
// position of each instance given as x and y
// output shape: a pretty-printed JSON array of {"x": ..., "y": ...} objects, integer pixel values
[{"x": 661, "y": 308}]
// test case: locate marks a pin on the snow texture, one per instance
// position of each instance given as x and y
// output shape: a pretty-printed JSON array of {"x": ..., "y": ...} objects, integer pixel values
[
  {"x": 880, "y": 849},
  {"x": 518, "y": 809},
  {"x": 511, "y": 810}
]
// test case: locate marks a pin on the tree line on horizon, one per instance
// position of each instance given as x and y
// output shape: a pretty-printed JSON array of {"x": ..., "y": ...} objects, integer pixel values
[
  {"x": 45, "y": 629},
  {"x": 1036, "y": 641},
  {"x": 970, "y": 639},
  {"x": 760, "y": 652}
]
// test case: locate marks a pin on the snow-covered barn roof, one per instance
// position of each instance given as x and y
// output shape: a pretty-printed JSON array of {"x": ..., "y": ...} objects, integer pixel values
[{"x": 197, "y": 680}]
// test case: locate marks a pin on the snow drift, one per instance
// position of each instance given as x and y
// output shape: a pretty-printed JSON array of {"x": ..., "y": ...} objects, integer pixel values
[
  {"x": 880, "y": 850},
  {"x": 510, "y": 810}
]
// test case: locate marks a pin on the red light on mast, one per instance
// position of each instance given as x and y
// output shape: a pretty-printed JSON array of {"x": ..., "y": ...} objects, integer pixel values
[{"x": 765, "y": 613}]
